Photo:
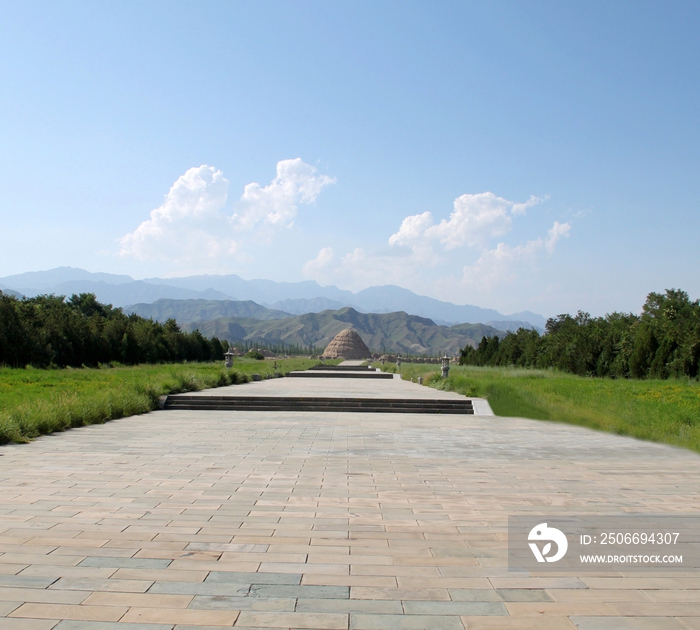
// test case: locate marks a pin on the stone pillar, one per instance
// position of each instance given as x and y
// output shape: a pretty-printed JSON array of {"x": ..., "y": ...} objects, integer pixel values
[{"x": 445, "y": 366}]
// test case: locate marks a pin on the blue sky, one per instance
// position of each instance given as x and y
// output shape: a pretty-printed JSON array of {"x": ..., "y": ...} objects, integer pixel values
[{"x": 513, "y": 155}]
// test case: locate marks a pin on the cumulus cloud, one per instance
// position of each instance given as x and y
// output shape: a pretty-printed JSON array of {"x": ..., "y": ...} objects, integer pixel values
[
  {"x": 276, "y": 204},
  {"x": 189, "y": 224},
  {"x": 504, "y": 263},
  {"x": 192, "y": 225},
  {"x": 557, "y": 232},
  {"x": 474, "y": 229},
  {"x": 474, "y": 220}
]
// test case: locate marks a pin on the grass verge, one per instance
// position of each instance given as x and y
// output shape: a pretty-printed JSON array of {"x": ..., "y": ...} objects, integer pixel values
[
  {"x": 36, "y": 402},
  {"x": 659, "y": 411}
]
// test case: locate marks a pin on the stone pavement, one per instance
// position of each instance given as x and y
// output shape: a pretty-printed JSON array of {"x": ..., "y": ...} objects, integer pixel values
[{"x": 180, "y": 519}]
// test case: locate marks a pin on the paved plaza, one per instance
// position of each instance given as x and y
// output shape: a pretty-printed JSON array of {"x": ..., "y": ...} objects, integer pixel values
[{"x": 211, "y": 519}]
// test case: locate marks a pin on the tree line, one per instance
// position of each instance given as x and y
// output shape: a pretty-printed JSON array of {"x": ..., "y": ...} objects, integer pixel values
[
  {"x": 278, "y": 348},
  {"x": 49, "y": 330},
  {"x": 663, "y": 341}
]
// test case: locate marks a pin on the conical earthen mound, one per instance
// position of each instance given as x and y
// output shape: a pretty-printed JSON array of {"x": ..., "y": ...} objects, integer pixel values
[{"x": 347, "y": 344}]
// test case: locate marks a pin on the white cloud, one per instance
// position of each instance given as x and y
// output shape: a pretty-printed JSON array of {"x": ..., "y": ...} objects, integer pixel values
[
  {"x": 319, "y": 265},
  {"x": 192, "y": 228},
  {"x": 503, "y": 264},
  {"x": 276, "y": 204},
  {"x": 557, "y": 232},
  {"x": 474, "y": 220},
  {"x": 428, "y": 257},
  {"x": 189, "y": 224}
]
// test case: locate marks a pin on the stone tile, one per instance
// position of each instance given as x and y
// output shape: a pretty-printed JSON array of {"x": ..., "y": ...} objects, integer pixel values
[
  {"x": 657, "y": 609},
  {"x": 118, "y": 586},
  {"x": 558, "y": 609},
  {"x": 477, "y": 595},
  {"x": 349, "y": 580},
  {"x": 522, "y": 623},
  {"x": 542, "y": 582},
  {"x": 178, "y": 616},
  {"x": 62, "y": 611},
  {"x": 306, "y": 592},
  {"x": 254, "y": 578},
  {"x": 23, "y": 581},
  {"x": 425, "y": 594},
  {"x": 383, "y": 607},
  {"x": 56, "y": 572},
  {"x": 443, "y": 582},
  {"x": 523, "y": 595},
  {"x": 124, "y": 563},
  {"x": 669, "y": 596},
  {"x": 28, "y": 624},
  {"x": 201, "y": 588},
  {"x": 627, "y": 623},
  {"x": 404, "y": 622},
  {"x": 327, "y": 621},
  {"x": 221, "y": 602},
  {"x": 38, "y": 595},
  {"x": 481, "y": 609},
  {"x": 109, "y": 625},
  {"x": 323, "y": 569},
  {"x": 140, "y": 600},
  {"x": 7, "y": 607},
  {"x": 601, "y": 595},
  {"x": 159, "y": 574}
]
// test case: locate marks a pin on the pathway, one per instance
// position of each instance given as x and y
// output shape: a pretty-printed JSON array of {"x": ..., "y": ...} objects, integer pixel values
[{"x": 180, "y": 519}]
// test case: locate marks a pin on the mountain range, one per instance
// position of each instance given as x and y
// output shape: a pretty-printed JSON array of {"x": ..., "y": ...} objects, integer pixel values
[
  {"x": 294, "y": 298},
  {"x": 189, "y": 311},
  {"x": 382, "y": 332}
]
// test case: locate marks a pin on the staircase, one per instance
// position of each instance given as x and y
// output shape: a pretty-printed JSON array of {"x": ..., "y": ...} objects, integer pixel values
[
  {"x": 281, "y": 403},
  {"x": 313, "y": 373}
]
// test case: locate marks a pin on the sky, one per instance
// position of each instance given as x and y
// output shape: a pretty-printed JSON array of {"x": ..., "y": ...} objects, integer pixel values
[{"x": 529, "y": 155}]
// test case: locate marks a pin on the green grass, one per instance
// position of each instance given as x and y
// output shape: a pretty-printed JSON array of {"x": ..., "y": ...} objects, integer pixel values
[
  {"x": 659, "y": 411},
  {"x": 36, "y": 402}
]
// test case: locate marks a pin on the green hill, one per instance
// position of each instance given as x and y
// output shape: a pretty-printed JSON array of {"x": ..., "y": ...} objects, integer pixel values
[
  {"x": 390, "y": 332},
  {"x": 188, "y": 311}
]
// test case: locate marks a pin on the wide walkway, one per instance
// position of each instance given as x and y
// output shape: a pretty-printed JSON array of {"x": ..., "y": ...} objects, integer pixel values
[{"x": 180, "y": 519}]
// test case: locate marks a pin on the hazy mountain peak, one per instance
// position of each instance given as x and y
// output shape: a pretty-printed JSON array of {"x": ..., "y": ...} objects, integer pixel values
[{"x": 290, "y": 297}]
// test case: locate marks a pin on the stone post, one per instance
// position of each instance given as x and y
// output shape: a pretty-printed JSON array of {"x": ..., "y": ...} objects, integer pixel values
[
  {"x": 445, "y": 366},
  {"x": 228, "y": 358}
]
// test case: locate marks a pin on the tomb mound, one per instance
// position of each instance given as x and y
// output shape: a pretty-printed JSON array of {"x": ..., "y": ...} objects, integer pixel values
[{"x": 348, "y": 345}]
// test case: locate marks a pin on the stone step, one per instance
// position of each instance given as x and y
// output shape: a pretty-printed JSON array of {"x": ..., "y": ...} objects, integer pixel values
[
  {"x": 328, "y": 374},
  {"x": 344, "y": 368},
  {"x": 282, "y": 403}
]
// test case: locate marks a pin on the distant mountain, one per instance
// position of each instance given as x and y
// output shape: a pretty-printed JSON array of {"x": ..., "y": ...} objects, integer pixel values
[
  {"x": 304, "y": 305},
  {"x": 7, "y": 291},
  {"x": 260, "y": 291},
  {"x": 513, "y": 326},
  {"x": 384, "y": 299},
  {"x": 392, "y": 298},
  {"x": 41, "y": 280},
  {"x": 390, "y": 332},
  {"x": 125, "y": 291},
  {"x": 188, "y": 311}
]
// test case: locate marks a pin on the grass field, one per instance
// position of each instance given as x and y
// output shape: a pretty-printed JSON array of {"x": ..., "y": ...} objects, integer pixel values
[
  {"x": 660, "y": 411},
  {"x": 35, "y": 402}
]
